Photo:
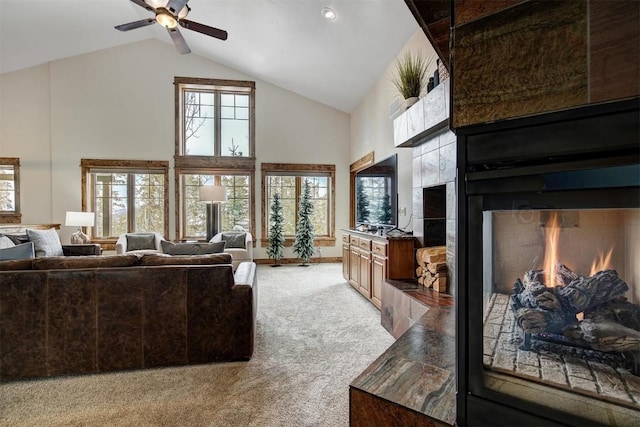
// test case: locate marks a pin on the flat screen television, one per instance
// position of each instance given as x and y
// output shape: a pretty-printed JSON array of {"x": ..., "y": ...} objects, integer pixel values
[{"x": 377, "y": 194}]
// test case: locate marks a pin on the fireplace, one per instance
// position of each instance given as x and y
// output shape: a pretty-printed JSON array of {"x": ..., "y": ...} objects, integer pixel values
[{"x": 549, "y": 269}]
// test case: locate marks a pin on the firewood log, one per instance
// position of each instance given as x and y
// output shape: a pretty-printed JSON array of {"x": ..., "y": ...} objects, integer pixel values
[
  {"x": 605, "y": 336},
  {"x": 437, "y": 267}
]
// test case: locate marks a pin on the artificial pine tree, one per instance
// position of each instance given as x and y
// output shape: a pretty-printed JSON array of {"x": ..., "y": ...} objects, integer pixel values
[
  {"x": 276, "y": 237},
  {"x": 362, "y": 201},
  {"x": 384, "y": 217},
  {"x": 303, "y": 245}
]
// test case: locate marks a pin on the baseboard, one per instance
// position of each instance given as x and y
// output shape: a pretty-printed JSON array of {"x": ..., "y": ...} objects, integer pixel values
[{"x": 298, "y": 260}]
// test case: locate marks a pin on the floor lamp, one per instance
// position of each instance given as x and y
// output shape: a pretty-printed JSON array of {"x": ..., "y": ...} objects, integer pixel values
[
  {"x": 79, "y": 219},
  {"x": 213, "y": 196}
]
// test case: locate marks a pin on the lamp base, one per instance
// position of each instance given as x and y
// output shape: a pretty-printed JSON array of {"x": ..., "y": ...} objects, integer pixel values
[{"x": 79, "y": 238}]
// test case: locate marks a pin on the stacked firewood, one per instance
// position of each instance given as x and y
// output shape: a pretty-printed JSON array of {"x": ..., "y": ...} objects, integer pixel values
[{"x": 432, "y": 267}]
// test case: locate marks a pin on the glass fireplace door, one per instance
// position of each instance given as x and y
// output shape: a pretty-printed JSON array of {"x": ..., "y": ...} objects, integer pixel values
[{"x": 554, "y": 280}]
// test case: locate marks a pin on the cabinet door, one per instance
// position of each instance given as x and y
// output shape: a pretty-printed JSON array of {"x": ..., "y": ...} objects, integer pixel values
[
  {"x": 378, "y": 273},
  {"x": 354, "y": 266},
  {"x": 364, "y": 282},
  {"x": 345, "y": 261}
]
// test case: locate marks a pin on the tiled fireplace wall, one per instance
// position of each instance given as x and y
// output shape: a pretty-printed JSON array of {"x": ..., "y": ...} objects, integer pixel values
[{"x": 434, "y": 164}]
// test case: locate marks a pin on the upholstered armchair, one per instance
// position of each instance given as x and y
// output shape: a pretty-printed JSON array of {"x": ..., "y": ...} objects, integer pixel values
[
  {"x": 139, "y": 243},
  {"x": 237, "y": 243}
]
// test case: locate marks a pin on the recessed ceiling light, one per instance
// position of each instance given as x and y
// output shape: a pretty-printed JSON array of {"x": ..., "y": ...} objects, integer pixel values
[{"x": 328, "y": 13}]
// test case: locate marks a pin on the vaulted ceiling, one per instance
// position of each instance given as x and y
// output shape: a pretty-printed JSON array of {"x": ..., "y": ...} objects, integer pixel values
[{"x": 284, "y": 42}]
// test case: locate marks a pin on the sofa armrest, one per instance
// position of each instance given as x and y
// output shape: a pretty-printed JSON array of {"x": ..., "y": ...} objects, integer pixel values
[
  {"x": 83, "y": 249},
  {"x": 245, "y": 274}
]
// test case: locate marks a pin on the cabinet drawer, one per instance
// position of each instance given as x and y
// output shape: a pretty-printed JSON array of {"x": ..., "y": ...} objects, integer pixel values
[
  {"x": 354, "y": 240},
  {"x": 379, "y": 249},
  {"x": 365, "y": 244},
  {"x": 345, "y": 238}
]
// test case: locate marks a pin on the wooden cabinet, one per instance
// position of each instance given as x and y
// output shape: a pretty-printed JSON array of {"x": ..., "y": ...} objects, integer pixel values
[
  {"x": 369, "y": 259},
  {"x": 345, "y": 257}
]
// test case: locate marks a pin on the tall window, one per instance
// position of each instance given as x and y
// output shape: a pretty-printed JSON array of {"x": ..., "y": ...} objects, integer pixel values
[
  {"x": 215, "y": 117},
  {"x": 126, "y": 196},
  {"x": 236, "y": 212},
  {"x": 10, "y": 190},
  {"x": 214, "y": 145},
  {"x": 287, "y": 180}
]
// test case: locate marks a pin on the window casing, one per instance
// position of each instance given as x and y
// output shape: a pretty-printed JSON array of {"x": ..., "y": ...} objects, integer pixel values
[
  {"x": 10, "y": 190},
  {"x": 235, "y": 213},
  {"x": 214, "y": 117},
  {"x": 287, "y": 180},
  {"x": 126, "y": 196},
  {"x": 214, "y": 144}
]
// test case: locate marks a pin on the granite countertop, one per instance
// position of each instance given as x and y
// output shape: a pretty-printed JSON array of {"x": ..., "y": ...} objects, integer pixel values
[
  {"x": 393, "y": 235},
  {"x": 418, "y": 370}
]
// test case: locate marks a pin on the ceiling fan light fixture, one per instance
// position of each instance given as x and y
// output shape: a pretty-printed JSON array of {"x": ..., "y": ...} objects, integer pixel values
[
  {"x": 166, "y": 20},
  {"x": 328, "y": 13},
  {"x": 156, "y": 3},
  {"x": 184, "y": 11}
]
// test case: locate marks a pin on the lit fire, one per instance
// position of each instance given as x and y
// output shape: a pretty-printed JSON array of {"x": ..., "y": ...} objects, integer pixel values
[
  {"x": 552, "y": 237},
  {"x": 601, "y": 262}
]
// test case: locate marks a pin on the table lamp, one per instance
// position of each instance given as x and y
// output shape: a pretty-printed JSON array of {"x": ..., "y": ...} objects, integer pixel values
[
  {"x": 79, "y": 219},
  {"x": 213, "y": 196}
]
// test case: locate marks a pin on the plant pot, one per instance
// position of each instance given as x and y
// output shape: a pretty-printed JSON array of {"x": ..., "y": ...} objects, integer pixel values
[{"x": 410, "y": 101}]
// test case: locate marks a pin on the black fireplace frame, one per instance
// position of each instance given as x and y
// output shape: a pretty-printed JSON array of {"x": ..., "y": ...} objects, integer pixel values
[{"x": 534, "y": 157}]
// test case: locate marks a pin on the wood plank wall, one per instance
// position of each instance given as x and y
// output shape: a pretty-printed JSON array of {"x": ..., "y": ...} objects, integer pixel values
[{"x": 517, "y": 58}]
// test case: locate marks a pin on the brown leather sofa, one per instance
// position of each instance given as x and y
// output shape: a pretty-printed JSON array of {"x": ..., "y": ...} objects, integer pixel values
[{"x": 88, "y": 314}]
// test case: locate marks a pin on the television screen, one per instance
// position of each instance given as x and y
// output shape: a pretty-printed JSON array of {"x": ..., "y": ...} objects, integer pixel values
[{"x": 376, "y": 194}]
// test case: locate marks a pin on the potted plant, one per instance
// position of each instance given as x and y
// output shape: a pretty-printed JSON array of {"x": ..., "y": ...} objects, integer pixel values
[{"x": 411, "y": 76}]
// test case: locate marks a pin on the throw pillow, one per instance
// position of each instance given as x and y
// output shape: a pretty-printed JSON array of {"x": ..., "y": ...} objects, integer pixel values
[
  {"x": 166, "y": 259},
  {"x": 6, "y": 242},
  {"x": 23, "y": 251},
  {"x": 45, "y": 242},
  {"x": 140, "y": 241},
  {"x": 192, "y": 248},
  {"x": 234, "y": 240},
  {"x": 18, "y": 239}
]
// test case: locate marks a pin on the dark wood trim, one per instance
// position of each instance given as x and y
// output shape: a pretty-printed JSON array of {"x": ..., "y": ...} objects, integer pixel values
[
  {"x": 268, "y": 168},
  {"x": 355, "y": 167},
  {"x": 86, "y": 166},
  {"x": 15, "y": 216},
  {"x": 212, "y": 162}
]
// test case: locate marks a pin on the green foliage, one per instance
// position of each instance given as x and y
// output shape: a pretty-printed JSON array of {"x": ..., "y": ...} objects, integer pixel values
[
  {"x": 276, "y": 237},
  {"x": 303, "y": 244},
  {"x": 362, "y": 201},
  {"x": 384, "y": 216},
  {"x": 411, "y": 74}
]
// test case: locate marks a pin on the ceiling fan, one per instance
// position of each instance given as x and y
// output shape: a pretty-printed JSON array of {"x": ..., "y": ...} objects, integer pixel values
[{"x": 170, "y": 14}]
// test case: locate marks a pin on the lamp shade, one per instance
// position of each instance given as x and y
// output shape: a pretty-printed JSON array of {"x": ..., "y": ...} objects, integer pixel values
[
  {"x": 212, "y": 193},
  {"x": 79, "y": 219}
]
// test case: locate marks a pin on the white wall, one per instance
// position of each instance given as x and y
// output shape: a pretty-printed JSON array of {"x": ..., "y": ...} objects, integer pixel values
[
  {"x": 372, "y": 128},
  {"x": 119, "y": 104}
]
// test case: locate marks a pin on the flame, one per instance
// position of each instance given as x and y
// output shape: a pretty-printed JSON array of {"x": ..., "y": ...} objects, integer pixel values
[
  {"x": 601, "y": 262},
  {"x": 552, "y": 235}
]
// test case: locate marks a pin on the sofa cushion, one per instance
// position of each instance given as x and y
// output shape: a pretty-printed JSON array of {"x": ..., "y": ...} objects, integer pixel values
[
  {"x": 45, "y": 242},
  {"x": 20, "y": 264},
  {"x": 192, "y": 248},
  {"x": 87, "y": 261},
  {"x": 23, "y": 251},
  {"x": 6, "y": 242},
  {"x": 165, "y": 259},
  {"x": 140, "y": 241},
  {"x": 234, "y": 240}
]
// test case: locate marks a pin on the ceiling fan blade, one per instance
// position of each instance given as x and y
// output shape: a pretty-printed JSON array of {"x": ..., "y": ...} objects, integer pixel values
[
  {"x": 141, "y": 3},
  {"x": 179, "y": 41},
  {"x": 135, "y": 24},
  {"x": 204, "y": 29},
  {"x": 175, "y": 6}
]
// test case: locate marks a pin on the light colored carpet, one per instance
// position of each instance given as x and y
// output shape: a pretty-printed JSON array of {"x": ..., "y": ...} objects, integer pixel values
[{"x": 315, "y": 334}]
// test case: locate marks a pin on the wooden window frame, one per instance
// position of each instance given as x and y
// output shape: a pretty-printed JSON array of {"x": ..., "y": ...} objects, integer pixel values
[
  {"x": 300, "y": 169},
  {"x": 131, "y": 166},
  {"x": 184, "y": 167},
  {"x": 15, "y": 216}
]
